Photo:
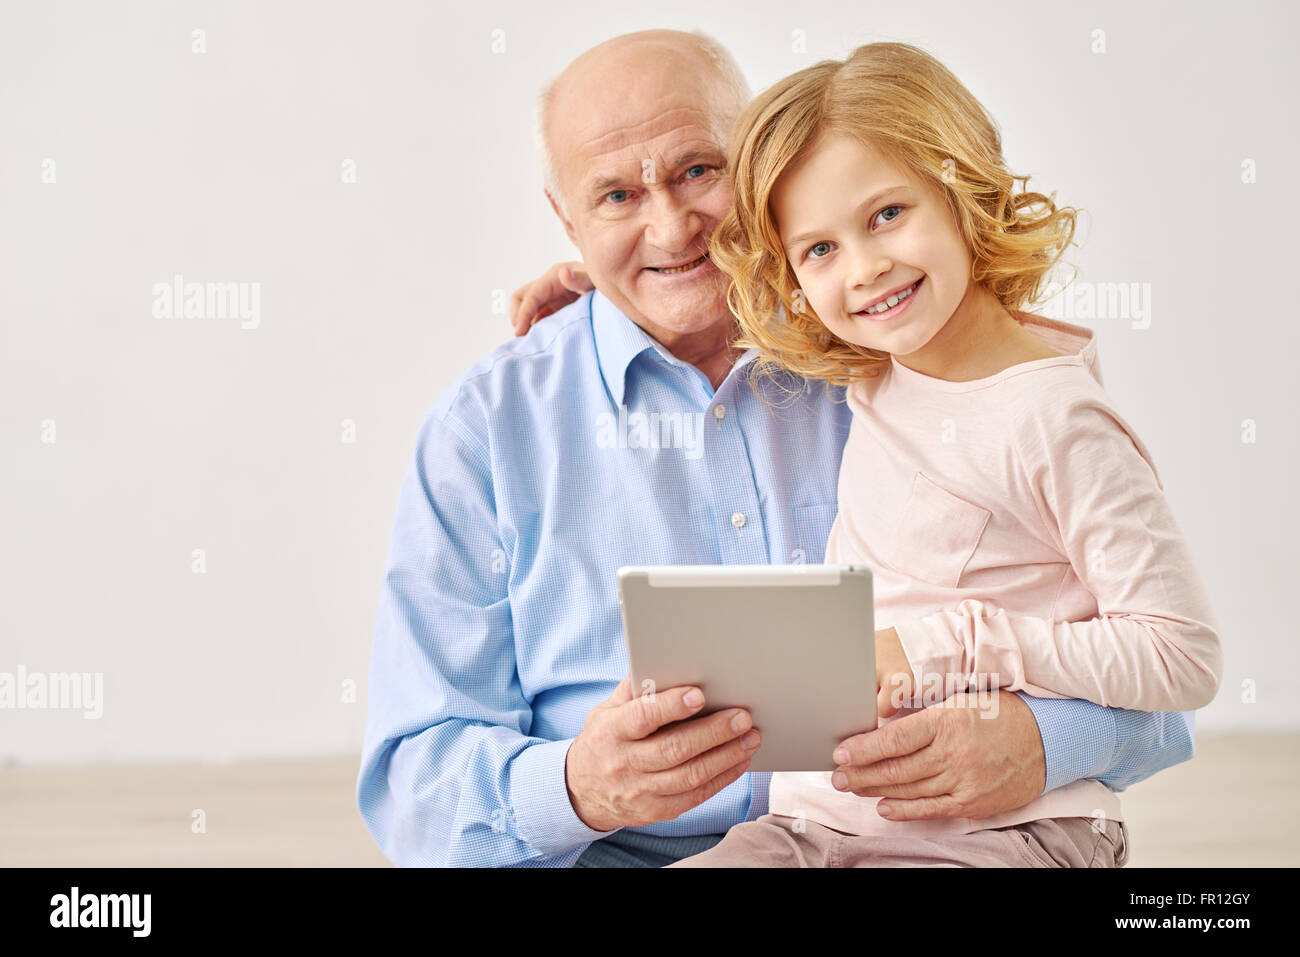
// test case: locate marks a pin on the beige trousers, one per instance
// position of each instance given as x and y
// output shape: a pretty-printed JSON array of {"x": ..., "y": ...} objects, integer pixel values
[{"x": 773, "y": 841}]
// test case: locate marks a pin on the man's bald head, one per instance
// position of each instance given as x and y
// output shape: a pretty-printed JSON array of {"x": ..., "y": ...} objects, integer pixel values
[{"x": 613, "y": 67}]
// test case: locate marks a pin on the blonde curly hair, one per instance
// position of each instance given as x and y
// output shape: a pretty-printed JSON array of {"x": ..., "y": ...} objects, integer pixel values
[{"x": 909, "y": 106}]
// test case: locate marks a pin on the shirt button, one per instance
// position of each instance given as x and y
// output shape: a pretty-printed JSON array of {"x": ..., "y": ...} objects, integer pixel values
[
  {"x": 738, "y": 519},
  {"x": 719, "y": 411}
]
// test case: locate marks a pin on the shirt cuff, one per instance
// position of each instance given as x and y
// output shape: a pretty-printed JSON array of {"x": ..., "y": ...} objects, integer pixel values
[
  {"x": 544, "y": 817},
  {"x": 933, "y": 655},
  {"x": 760, "y": 785},
  {"x": 1078, "y": 738}
]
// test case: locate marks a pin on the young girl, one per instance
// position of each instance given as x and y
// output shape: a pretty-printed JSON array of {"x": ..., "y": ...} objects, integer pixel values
[{"x": 1014, "y": 522}]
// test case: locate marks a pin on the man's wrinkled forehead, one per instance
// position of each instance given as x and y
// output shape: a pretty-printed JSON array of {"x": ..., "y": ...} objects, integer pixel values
[{"x": 605, "y": 152}]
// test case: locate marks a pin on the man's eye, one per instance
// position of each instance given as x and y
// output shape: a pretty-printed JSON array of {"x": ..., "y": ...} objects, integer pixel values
[
  {"x": 887, "y": 209},
  {"x": 826, "y": 247},
  {"x": 616, "y": 196}
]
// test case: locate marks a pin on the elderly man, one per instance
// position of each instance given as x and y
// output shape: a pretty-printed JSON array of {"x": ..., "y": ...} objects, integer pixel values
[{"x": 499, "y": 730}]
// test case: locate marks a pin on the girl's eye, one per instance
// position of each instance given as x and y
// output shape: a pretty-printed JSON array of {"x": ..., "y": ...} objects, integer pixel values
[
  {"x": 701, "y": 172},
  {"x": 825, "y": 246},
  {"x": 887, "y": 209}
]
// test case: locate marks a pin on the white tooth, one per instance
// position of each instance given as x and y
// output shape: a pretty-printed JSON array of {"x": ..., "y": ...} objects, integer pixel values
[{"x": 892, "y": 301}]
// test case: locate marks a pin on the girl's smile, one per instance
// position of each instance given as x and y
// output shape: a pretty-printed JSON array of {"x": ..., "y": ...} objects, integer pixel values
[{"x": 892, "y": 305}]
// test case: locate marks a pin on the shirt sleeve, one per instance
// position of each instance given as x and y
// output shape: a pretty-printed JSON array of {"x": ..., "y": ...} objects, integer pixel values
[
  {"x": 450, "y": 774},
  {"x": 1116, "y": 746},
  {"x": 1153, "y": 646}
]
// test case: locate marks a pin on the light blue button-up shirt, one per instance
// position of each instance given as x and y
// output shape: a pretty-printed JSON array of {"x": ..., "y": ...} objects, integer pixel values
[{"x": 579, "y": 448}]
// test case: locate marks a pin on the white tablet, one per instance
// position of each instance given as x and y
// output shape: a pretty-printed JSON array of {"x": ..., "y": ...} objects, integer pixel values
[{"x": 795, "y": 645}]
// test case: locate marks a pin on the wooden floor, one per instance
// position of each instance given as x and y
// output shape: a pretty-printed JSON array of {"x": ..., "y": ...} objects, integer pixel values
[{"x": 1232, "y": 805}]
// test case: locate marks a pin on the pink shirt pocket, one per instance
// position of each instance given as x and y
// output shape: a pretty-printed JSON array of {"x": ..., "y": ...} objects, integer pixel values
[{"x": 936, "y": 534}]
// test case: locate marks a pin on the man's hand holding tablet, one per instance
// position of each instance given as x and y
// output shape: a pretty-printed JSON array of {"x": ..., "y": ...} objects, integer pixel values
[{"x": 651, "y": 758}]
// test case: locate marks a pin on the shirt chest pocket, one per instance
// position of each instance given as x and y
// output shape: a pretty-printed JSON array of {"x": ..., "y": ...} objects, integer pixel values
[
  {"x": 812, "y": 526},
  {"x": 937, "y": 533}
]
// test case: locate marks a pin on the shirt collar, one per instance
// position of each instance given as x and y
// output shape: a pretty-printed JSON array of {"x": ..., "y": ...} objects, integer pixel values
[
  {"x": 1066, "y": 338},
  {"x": 619, "y": 341}
]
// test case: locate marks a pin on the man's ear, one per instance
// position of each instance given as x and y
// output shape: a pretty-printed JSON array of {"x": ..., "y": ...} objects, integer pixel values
[{"x": 568, "y": 226}]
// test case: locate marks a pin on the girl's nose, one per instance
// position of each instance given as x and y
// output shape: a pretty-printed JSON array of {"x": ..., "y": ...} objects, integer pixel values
[{"x": 867, "y": 268}]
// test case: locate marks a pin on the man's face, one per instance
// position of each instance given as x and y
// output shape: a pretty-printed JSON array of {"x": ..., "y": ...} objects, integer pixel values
[{"x": 642, "y": 170}]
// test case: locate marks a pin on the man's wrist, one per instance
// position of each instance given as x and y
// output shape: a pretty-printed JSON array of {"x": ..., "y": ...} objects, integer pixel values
[
  {"x": 1077, "y": 737},
  {"x": 1032, "y": 736},
  {"x": 575, "y": 802}
]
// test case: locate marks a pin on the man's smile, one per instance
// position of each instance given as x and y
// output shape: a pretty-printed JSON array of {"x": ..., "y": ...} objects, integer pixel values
[{"x": 679, "y": 268}]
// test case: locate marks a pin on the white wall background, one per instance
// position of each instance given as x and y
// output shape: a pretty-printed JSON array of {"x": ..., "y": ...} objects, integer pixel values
[{"x": 175, "y": 435}]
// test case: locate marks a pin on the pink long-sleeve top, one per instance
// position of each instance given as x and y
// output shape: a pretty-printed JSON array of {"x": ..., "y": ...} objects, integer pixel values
[{"x": 1019, "y": 536}]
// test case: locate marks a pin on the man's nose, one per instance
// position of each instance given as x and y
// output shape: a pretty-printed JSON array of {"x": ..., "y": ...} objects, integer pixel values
[{"x": 671, "y": 225}]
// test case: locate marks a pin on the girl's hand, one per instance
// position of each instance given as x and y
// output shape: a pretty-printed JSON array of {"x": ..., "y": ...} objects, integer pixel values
[
  {"x": 893, "y": 674},
  {"x": 560, "y": 285}
]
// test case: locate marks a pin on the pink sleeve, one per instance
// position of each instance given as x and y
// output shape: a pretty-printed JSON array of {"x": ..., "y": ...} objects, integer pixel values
[{"x": 1154, "y": 646}]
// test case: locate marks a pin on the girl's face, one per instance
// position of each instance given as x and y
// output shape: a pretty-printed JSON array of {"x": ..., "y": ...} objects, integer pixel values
[{"x": 858, "y": 230}]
